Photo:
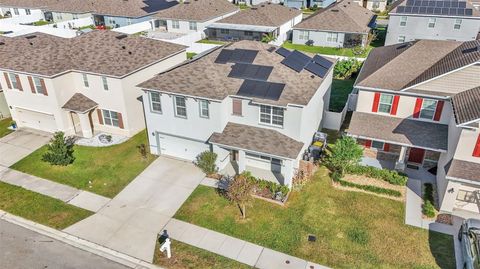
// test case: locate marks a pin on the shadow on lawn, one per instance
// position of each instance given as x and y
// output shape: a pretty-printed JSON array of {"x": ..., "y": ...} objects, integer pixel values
[{"x": 442, "y": 249}]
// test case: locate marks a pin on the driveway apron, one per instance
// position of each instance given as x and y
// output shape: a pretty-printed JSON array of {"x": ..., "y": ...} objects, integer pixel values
[{"x": 19, "y": 144}]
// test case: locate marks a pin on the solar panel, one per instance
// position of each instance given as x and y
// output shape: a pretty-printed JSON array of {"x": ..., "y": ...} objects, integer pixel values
[
  {"x": 410, "y": 2},
  {"x": 236, "y": 56},
  {"x": 454, "y": 4},
  {"x": 439, "y": 4},
  {"x": 224, "y": 56},
  {"x": 429, "y": 10},
  {"x": 283, "y": 51},
  {"x": 401, "y": 9},
  {"x": 408, "y": 9},
  {"x": 322, "y": 61},
  {"x": 261, "y": 89},
  {"x": 437, "y": 10},
  {"x": 250, "y": 71},
  {"x": 317, "y": 69},
  {"x": 446, "y": 4},
  {"x": 452, "y": 11},
  {"x": 462, "y": 4},
  {"x": 445, "y": 11},
  {"x": 296, "y": 60},
  {"x": 422, "y": 10}
]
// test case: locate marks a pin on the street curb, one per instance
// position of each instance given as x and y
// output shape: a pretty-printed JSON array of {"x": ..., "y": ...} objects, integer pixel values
[{"x": 79, "y": 243}]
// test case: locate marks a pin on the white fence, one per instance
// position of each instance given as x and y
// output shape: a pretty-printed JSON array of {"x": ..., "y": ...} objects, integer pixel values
[
  {"x": 18, "y": 30},
  {"x": 135, "y": 28},
  {"x": 334, "y": 120},
  {"x": 72, "y": 23}
]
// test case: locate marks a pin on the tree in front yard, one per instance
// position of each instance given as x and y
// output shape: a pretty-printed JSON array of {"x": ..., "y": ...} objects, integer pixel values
[
  {"x": 345, "y": 152},
  {"x": 206, "y": 161},
  {"x": 59, "y": 150},
  {"x": 240, "y": 191}
]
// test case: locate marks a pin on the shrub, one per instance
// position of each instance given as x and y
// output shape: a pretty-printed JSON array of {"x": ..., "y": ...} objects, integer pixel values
[
  {"x": 265, "y": 184},
  {"x": 428, "y": 201},
  {"x": 345, "y": 69},
  {"x": 59, "y": 150},
  {"x": 346, "y": 152},
  {"x": 358, "y": 235},
  {"x": 390, "y": 176},
  {"x": 428, "y": 209},
  {"x": 142, "y": 149},
  {"x": 206, "y": 161}
]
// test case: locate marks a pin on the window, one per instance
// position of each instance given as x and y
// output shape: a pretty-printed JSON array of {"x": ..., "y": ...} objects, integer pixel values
[
  {"x": 401, "y": 38},
  {"x": 28, "y": 12},
  {"x": 38, "y": 85},
  {"x": 15, "y": 11},
  {"x": 403, "y": 21},
  {"x": 85, "y": 81},
  {"x": 192, "y": 25},
  {"x": 59, "y": 17},
  {"x": 75, "y": 16},
  {"x": 204, "y": 112},
  {"x": 13, "y": 80},
  {"x": 458, "y": 24},
  {"x": 377, "y": 145},
  {"x": 105, "y": 83},
  {"x": 332, "y": 37},
  {"x": 175, "y": 24},
  {"x": 225, "y": 31},
  {"x": 271, "y": 115},
  {"x": 385, "y": 104},
  {"x": 129, "y": 21},
  {"x": 155, "y": 102},
  {"x": 237, "y": 107},
  {"x": 303, "y": 35},
  {"x": 428, "y": 109},
  {"x": 180, "y": 107},
  {"x": 110, "y": 118},
  {"x": 248, "y": 33},
  {"x": 431, "y": 22}
]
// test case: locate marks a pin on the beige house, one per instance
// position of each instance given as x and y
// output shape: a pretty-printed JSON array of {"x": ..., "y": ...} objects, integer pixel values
[{"x": 82, "y": 85}]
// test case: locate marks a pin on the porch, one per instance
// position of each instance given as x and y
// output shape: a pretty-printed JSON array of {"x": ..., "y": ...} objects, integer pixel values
[
  {"x": 355, "y": 39},
  {"x": 231, "y": 169},
  {"x": 80, "y": 109},
  {"x": 235, "y": 32}
]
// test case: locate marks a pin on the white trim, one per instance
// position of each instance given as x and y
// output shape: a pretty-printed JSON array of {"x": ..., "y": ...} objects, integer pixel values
[
  {"x": 403, "y": 93},
  {"x": 395, "y": 143},
  {"x": 257, "y": 152},
  {"x": 476, "y": 183}
]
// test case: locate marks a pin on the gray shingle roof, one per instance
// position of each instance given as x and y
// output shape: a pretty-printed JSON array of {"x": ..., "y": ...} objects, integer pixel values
[
  {"x": 466, "y": 105},
  {"x": 197, "y": 10},
  {"x": 100, "y": 52},
  {"x": 464, "y": 170},
  {"x": 404, "y": 131},
  {"x": 79, "y": 103},
  {"x": 257, "y": 139}
]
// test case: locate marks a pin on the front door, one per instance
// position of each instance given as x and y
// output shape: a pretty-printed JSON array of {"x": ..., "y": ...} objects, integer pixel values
[
  {"x": 416, "y": 155},
  {"x": 233, "y": 155}
]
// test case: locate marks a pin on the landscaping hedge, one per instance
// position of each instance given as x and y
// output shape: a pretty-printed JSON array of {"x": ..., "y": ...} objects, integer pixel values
[
  {"x": 265, "y": 184},
  {"x": 390, "y": 176},
  {"x": 370, "y": 188},
  {"x": 428, "y": 201}
]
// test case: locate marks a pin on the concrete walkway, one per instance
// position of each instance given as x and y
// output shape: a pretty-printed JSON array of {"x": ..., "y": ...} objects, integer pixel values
[
  {"x": 19, "y": 144},
  {"x": 83, "y": 199}
]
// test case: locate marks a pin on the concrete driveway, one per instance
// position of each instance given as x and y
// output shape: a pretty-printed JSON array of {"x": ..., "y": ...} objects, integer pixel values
[
  {"x": 131, "y": 221},
  {"x": 19, "y": 144}
]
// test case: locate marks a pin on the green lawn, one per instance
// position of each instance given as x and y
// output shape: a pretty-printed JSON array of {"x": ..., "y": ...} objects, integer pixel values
[
  {"x": 109, "y": 169},
  {"x": 341, "y": 88},
  {"x": 190, "y": 55},
  {"x": 324, "y": 50},
  {"x": 39, "y": 208},
  {"x": 4, "y": 124},
  {"x": 214, "y": 42},
  {"x": 185, "y": 256},
  {"x": 354, "y": 230},
  {"x": 381, "y": 35}
]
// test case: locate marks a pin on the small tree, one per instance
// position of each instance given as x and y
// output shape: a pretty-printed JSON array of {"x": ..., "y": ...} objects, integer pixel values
[
  {"x": 345, "y": 152},
  {"x": 59, "y": 150},
  {"x": 240, "y": 191},
  {"x": 267, "y": 38},
  {"x": 206, "y": 161}
]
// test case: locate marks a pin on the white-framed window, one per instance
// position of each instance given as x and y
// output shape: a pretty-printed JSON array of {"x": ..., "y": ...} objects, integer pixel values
[
  {"x": 110, "y": 118},
  {"x": 385, "y": 103},
  {"x": 28, "y": 11},
  {"x": 59, "y": 16},
  {"x": 38, "y": 85},
  {"x": 271, "y": 115},
  {"x": 401, "y": 38},
  {"x": 224, "y": 31},
  {"x": 378, "y": 144},
  {"x": 85, "y": 80},
  {"x": 180, "y": 104},
  {"x": 403, "y": 21},
  {"x": 13, "y": 80},
  {"x": 248, "y": 33},
  {"x": 105, "y": 83},
  {"x": 192, "y": 25},
  {"x": 431, "y": 22},
  {"x": 204, "y": 108},
  {"x": 15, "y": 11},
  {"x": 129, "y": 21},
  {"x": 458, "y": 24},
  {"x": 332, "y": 37},
  {"x": 303, "y": 35},
  {"x": 175, "y": 24},
  {"x": 75, "y": 16},
  {"x": 155, "y": 102},
  {"x": 428, "y": 109}
]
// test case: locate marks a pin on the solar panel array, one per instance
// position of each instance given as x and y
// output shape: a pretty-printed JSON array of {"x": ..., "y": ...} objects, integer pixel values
[
  {"x": 298, "y": 61},
  {"x": 236, "y": 56},
  {"x": 261, "y": 89},
  {"x": 250, "y": 71},
  {"x": 435, "y": 7}
]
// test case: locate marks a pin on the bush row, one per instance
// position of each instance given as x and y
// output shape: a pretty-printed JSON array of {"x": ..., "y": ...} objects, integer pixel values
[
  {"x": 265, "y": 184},
  {"x": 390, "y": 176},
  {"x": 337, "y": 178},
  {"x": 428, "y": 201}
]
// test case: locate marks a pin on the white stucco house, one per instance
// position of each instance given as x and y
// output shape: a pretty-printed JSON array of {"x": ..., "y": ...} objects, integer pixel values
[
  {"x": 373, "y": 5},
  {"x": 82, "y": 85},
  {"x": 418, "y": 111},
  {"x": 15, "y": 8},
  {"x": 243, "y": 103}
]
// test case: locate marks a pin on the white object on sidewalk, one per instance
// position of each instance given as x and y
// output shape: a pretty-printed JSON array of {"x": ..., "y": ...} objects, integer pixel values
[{"x": 166, "y": 246}]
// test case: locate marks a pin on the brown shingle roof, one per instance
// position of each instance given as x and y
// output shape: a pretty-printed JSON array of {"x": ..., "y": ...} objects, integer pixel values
[
  {"x": 205, "y": 78},
  {"x": 464, "y": 170},
  {"x": 466, "y": 105},
  {"x": 257, "y": 139},
  {"x": 33, "y": 4},
  {"x": 79, "y": 103},
  {"x": 100, "y": 52},
  {"x": 344, "y": 16},
  {"x": 404, "y": 131},
  {"x": 263, "y": 15},
  {"x": 198, "y": 10}
]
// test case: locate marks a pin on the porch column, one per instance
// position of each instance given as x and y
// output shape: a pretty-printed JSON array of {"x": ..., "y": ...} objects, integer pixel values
[
  {"x": 85, "y": 125},
  {"x": 448, "y": 202},
  {"x": 241, "y": 161},
  {"x": 288, "y": 172},
  {"x": 400, "y": 164}
]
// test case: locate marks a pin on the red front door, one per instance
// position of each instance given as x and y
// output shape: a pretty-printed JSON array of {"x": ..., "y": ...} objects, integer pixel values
[{"x": 416, "y": 155}]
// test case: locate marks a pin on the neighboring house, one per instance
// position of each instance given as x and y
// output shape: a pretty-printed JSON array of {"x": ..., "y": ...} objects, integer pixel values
[
  {"x": 193, "y": 15},
  {"x": 242, "y": 103},
  {"x": 255, "y": 2},
  {"x": 298, "y": 4},
  {"x": 418, "y": 107},
  {"x": 439, "y": 20},
  {"x": 373, "y": 5},
  {"x": 342, "y": 25},
  {"x": 82, "y": 85},
  {"x": 110, "y": 13},
  {"x": 255, "y": 22},
  {"x": 14, "y": 8}
]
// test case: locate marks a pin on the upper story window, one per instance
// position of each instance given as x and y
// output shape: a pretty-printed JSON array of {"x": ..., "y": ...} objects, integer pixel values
[
  {"x": 105, "y": 83},
  {"x": 192, "y": 25},
  {"x": 175, "y": 24},
  {"x": 85, "y": 81},
  {"x": 271, "y": 115},
  {"x": 204, "y": 108},
  {"x": 385, "y": 104},
  {"x": 403, "y": 21},
  {"x": 458, "y": 24},
  {"x": 401, "y": 38},
  {"x": 248, "y": 33},
  {"x": 180, "y": 106},
  {"x": 225, "y": 31},
  {"x": 303, "y": 35},
  {"x": 75, "y": 16},
  {"x": 110, "y": 118},
  {"x": 129, "y": 21},
  {"x": 332, "y": 37},
  {"x": 14, "y": 81},
  {"x": 28, "y": 12},
  {"x": 38, "y": 85},
  {"x": 15, "y": 11},
  {"x": 431, "y": 22},
  {"x": 155, "y": 102},
  {"x": 428, "y": 109},
  {"x": 377, "y": 144},
  {"x": 237, "y": 107}
]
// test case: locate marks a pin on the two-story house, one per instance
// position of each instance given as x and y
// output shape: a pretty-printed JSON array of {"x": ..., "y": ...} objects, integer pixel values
[
  {"x": 14, "y": 8},
  {"x": 418, "y": 111},
  {"x": 438, "y": 20},
  {"x": 82, "y": 85},
  {"x": 298, "y": 4},
  {"x": 256, "y": 105}
]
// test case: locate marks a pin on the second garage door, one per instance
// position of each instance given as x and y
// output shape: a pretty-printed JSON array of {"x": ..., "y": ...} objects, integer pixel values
[
  {"x": 36, "y": 120},
  {"x": 180, "y": 147}
]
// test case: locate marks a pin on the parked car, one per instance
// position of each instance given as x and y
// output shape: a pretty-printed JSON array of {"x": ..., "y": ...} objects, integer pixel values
[{"x": 469, "y": 236}]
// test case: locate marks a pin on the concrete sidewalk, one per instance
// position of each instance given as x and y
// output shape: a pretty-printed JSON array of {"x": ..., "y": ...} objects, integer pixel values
[{"x": 83, "y": 199}]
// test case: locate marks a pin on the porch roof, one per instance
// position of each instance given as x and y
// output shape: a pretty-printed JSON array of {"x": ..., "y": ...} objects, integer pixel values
[
  {"x": 261, "y": 140},
  {"x": 79, "y": 103},
  {"x": 459, "y": 169},
  {"x": 432, "y": 136}
]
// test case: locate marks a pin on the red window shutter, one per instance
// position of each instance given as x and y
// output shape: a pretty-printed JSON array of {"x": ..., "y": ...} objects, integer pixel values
[
  {"x": 368, "y": 143},
  {"x": 237, "y": 107},
  {"x": 42, "y": 82},
  {"x": 120, "y": 120},
  {"x": 476, "y": 151},
  {"x": 7, "y": 79},
  {"x": 32, "y": 86},
  {"x": 376, "y": 101},
  {"x": 396, "y": 99},
  {"x": 19, "y": 83},
  {"x": 100, "y": 116},
  {"x": 418, "y": 108},
  {"x": 386, "y": 147},
  {"x": 438, "y": 110}
]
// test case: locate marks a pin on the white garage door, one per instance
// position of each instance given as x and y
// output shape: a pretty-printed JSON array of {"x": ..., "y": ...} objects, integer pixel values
[
  {"x": 180, "y": 147},
  {"x": 36, "y": 120}
]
